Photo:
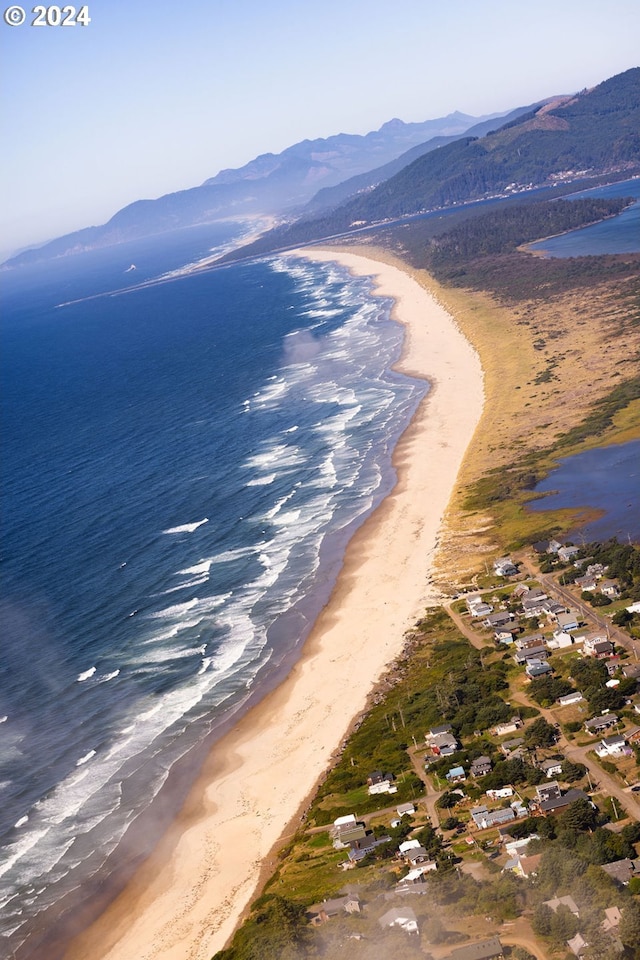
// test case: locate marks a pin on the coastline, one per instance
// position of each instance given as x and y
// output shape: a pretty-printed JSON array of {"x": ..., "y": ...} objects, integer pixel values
[{"x": 186, "y": 899}]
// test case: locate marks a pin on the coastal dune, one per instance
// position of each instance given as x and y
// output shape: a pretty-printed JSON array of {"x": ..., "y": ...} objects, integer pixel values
[{"x": 185, "y": 901}]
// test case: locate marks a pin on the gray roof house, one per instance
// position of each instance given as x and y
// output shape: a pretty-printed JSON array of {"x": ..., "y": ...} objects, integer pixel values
[
  {"x": 481, "y": 950},
  {"x": 603, "y": 722}
]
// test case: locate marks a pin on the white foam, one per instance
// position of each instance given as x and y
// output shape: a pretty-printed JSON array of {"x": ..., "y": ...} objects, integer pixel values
[
  {"x": 86, "y": 758},
  {"x": 21, "y": 822},
  {"x": 187, "y": 527},
  {"x": 199, "y": 568},
  {"x": 262, "y": 481},
  {"x": 87, "y": 673},
  {"x": 175, "y": 612},
  {"x": 109, "y": 676}
]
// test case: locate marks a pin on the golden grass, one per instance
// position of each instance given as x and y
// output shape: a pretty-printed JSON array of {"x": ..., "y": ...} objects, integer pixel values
[{"x": 546, "y": 362}]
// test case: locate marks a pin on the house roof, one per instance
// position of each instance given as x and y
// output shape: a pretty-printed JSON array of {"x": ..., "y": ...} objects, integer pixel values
[{"x": 481, "y": 950}]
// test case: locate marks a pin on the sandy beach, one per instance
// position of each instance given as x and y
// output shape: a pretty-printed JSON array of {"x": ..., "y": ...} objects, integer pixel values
[{"x": 185, "y": 901}]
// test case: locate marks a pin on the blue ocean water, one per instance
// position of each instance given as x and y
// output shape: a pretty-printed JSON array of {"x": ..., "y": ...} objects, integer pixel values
[
  {"x": 606, "y": 479},
  {"x": 620, "y": 234},
  {"x": 182, "y": 467}
]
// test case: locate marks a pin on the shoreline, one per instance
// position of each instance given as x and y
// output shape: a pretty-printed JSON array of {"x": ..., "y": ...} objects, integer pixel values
[{"x": 187, "y": 898}]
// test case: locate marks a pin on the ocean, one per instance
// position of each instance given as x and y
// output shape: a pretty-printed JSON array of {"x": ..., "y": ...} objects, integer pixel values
[{"x": 182, "y": 468}]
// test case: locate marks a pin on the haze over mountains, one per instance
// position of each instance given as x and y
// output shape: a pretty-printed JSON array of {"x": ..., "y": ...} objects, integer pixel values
[
  {"x": 592, "y": 134},
  {"x": 331, "y": 185},
  {"x": 269, "y": 184}
]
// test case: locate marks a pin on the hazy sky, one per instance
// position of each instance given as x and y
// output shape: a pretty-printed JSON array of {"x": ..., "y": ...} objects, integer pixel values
[{"x": 157, "y": 95}]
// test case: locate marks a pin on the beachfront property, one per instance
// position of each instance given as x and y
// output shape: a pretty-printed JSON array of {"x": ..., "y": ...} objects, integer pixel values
[
  {"x": 477, "y": 606},
  {"x": 319, "y": 913},
  {"x": 505, "y": 567}
]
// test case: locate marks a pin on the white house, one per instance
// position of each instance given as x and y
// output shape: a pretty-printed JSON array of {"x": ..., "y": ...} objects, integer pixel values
[{"x": 402, "y": 917}]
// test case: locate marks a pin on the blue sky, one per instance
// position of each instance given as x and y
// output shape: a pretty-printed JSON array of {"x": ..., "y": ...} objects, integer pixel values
[{"x": 157, "y": 96}]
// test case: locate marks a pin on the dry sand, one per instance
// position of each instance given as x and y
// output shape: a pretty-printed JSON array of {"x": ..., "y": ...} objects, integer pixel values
[{"x": 184, "y": 903}]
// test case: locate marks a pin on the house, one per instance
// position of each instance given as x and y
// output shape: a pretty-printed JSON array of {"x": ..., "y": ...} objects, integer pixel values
[
  {"x": 610, "y": 589},
  {"x": 321, "y": 912},
  {"x": 568, "y": 902},
  {"x": 551, "y": 768},
  {"x": 598, "y": 724},
  {"x": 553, "y": 608},
  {"x": 557, "y": 804},
  {"x": 378, "y": 777},
  {"x": 497, "y": 619},
  {"x": 347, "y": 834},
  {"x": 484, "y": 818},
  {"x": 437, "y": 731},
  {"x": 588, "y": 582},
  {"x": 613, "y": 746},
  {"x": 477, "y": 606},
  {"x": 358, "y": 849},
  {"x": 402, "y": 917},
  {"x": 408, "y": 845},
  {"x": 500, "y": 794},
  {"x": 481, "y": 950},
  {"x": 566, "y": 553},
  {"x": 507, "y": 634},
  {"x": 444, "y": 744},
  {"x": 622, "y": 870},
  {"x": 385, "y": 786},
  {"x": 509, "y": 727},
  {"x": 634, "y": 607},
  {"x": 597, "y": 647},
  {"x": 480, "y": 767},
  {"x": 505, "y": 567},
  {"x": 527, "y": 866},
  {"x": 570, "y": 698},
  {"x": 533, "y": 602},
  {"x": 560, "y": 640},
  {"x": 405, "y": 810},
  {"x": 578, "y": 945},
  {"x": 537, "y": 668},
  {"x": 612, "y": 918},
  {"x": 531, "y": 653},
  {"x": 567, "y": 621},
  {"x": 554, "y": 546},
  {"x": 530, "y": 641},
  {"x": 416, "y": 855},
  {"x": 510, "y": 747},
  {"x": 415, "y": 876},
  {"x": 548, "y": 791},
  {"x": 456, "y": 774}
]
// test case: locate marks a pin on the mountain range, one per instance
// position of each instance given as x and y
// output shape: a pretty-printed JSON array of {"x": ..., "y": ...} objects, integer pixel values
[
  {"x": 329, "y": 186},
  {"x": 271, "y": 184},
  {"x": 567, "y": 139}
]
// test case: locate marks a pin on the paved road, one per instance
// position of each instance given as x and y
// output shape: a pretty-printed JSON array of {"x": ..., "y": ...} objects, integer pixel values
[
  {"x": 590, "y": 614},
  {"x": 600, "y": 779}
]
